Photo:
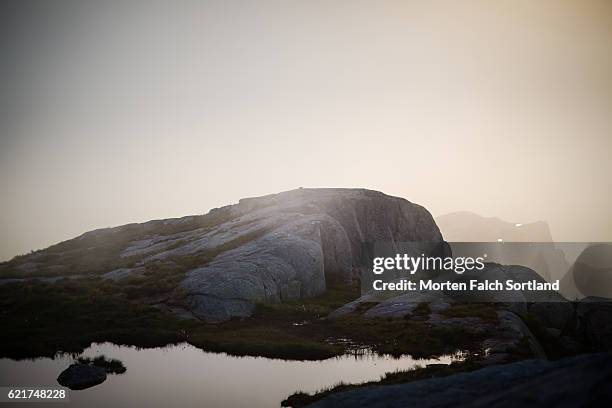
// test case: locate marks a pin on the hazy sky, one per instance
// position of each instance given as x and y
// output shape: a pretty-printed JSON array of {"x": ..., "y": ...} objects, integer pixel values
[{"x": 117, "y": 112}]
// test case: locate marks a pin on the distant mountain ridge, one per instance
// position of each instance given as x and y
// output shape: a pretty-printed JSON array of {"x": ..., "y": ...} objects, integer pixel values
[{"x": 465, "y": 226}]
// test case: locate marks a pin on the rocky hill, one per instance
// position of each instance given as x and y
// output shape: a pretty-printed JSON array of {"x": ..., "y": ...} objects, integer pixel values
[{"x": 219, "y": 265}]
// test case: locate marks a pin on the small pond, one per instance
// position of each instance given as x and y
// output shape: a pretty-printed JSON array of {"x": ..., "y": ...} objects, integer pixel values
[{"x": 185, "y": 376}]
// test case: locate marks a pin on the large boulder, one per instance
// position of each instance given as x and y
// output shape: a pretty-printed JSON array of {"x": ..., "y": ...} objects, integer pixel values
[
  {"x": 591, "y": 273},
  {"x": 81, "y": 376}
]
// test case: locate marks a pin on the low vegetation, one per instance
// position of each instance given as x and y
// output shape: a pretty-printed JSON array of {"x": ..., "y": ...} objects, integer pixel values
[
  {"x": 40, "y": 319},
  {"x": 112, "y": 366},
  {"x": 301, "y": 399},
  {"x": 485, "y": 311}
]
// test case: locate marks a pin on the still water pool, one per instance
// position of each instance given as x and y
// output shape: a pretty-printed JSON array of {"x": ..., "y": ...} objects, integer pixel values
[{"x": 185, "y": 376}]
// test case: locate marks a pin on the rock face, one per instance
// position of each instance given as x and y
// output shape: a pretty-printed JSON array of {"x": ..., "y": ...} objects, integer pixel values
[
  {"x": 572, "y": 382},
  {"x": 310, "y": 236},
  {"x": 81, "y": 376}
]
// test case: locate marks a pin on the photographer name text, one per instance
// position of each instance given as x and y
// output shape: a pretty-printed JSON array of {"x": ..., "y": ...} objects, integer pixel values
[{"x": 471, "y": 285}]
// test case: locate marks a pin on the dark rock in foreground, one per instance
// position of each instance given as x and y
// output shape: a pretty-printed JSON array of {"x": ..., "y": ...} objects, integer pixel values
[
  {"x": 81, "y": 376},
  {"x": 572, "y": 382}
]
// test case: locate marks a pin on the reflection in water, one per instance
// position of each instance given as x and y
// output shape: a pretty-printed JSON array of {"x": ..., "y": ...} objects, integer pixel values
[{"x": 185, "y": 376}]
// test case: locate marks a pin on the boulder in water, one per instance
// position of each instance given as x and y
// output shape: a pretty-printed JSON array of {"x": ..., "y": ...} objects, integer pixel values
[{"x": 81, "y": 376}]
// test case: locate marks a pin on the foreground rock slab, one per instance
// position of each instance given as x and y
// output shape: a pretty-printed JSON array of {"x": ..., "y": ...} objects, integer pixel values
[
  {"x": 572, "y": 382},
  {"x": 81, "y": 376}
]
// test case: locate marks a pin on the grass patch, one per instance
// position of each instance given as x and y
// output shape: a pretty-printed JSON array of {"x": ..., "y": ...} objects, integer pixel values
[
  {"x": 422, "y": 309},
  {"x": 397, "y": 337},
  {"x": 40, "y": 319},
  {"x": 262, "y": 340},
  {"x": 485, "y": 311},
  {"x": 301, "y": 399},
  {"x": 112, "y": 366},
  {"x": 308, "y": 308}
]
